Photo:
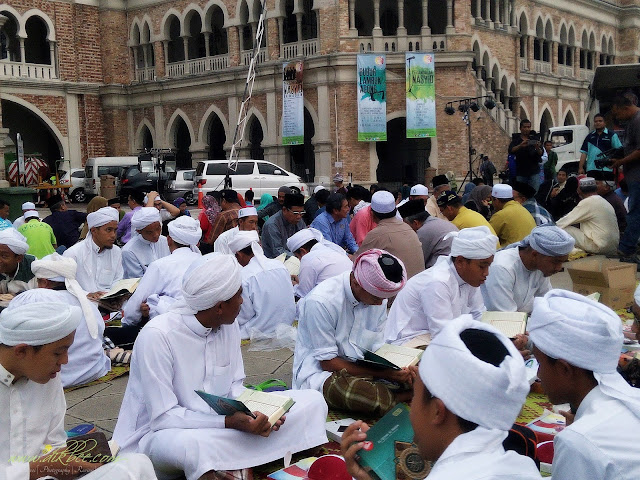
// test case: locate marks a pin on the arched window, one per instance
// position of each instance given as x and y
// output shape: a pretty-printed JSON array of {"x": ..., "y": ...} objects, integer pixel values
[
  {"x": 195, "y": 38},
  {"x": 36, "y": 45},
  {"x": 175, "y": 46},
  {"x": 218, "y": 43}
]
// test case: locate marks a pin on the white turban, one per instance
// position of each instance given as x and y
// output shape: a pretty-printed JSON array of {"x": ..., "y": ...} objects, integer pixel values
[
  {"x": 102, "y": 216},
  {"x": 185, "y": 231},
  {"x": 211, "y": 279},
  {"x": 38, "y": 324},
  {"x": 587, "y": 334},
  {"x": 244, "y": 239},
  {"x": 302, "y": 237},
  {"x": 475, "y": 243},
  {"x": 471, "y": 388},
  {"x": 57, "y": 268},
  {"x": 13, "y": 239},
  {"x": 247, "y": 212},
  {"x": 548, "y": 240},
  {"x": 144, "y": 217}
]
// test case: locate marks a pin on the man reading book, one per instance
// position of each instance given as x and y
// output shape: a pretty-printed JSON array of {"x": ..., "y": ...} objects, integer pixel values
[
  {"x": 577, "y": 342},
  {"x": 34, "y": 344},
  {"x": 339, "y": 319},
  {"x": 196, "y": 346},
  {"x": 470, "y": 390}
]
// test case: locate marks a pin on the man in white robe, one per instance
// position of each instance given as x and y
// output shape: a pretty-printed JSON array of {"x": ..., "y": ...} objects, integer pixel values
[
  {"x": 247, "y": 221},
  {"x": 267, "y": 292},
  {"x": 34, "y": 344},
  {"x": 26, "y": 207},
  {"x": 145, "y": 247},
  {"x": 521, "y": 272},
  {"x": 319, "y": 259},
  {"x": 445, "y": 291},
  {"x": 577, "y": 342},
  {"x": 461, "y": 425},
  {"x": 56, "y": 279},
  {"x": 15, "y": 264},
  {"x": 99, "y": 260},
  {"x": 340, "y": 318},
  {"x": 196, "y": 346}
]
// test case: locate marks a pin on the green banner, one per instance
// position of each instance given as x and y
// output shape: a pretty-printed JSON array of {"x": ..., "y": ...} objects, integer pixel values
[
  {"x": 372, "y": 98},
  {"x": 421, "y": 95}
]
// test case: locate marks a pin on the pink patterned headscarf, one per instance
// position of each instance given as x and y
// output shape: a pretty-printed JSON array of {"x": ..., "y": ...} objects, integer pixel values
[{"x": 371, "y": 277}]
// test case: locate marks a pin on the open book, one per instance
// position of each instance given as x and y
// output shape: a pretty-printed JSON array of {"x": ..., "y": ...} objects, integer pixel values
[
  {"x": 391, "y": 356},
  {"x": 121, "y": 288},
  {"x": 509, "y": 323},
  {"x": 272, "y": 405}
]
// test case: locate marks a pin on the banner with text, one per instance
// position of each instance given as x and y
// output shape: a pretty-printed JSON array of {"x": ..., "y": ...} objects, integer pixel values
[
  {"x": 421, "y": 95},
  {"x": 292, "y": 104},
  {"x": 372, "y": 98}
]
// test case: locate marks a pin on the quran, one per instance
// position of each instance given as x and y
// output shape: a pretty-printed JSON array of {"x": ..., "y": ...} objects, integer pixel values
[
  {"x": 121, "y": 288},
  {"x": 509, "y": 323},
  {"x": 272, "y": 405},
  {"x": 391, "y": 356}
]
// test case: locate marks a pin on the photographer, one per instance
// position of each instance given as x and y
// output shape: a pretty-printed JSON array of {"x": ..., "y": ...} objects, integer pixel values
[
  {"x": 598, "y": 141},
  {"x": 528, "y": 152},
  {"x": 625, "y": 110}
]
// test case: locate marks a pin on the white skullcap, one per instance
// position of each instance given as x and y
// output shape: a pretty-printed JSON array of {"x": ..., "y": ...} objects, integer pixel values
[
  {"x": 383, "y": 202},
  {"x": 28, "y": 206},
  {"x": 302, "y": 237},
  {"x": 13, "y": 239},
  {"x": 31, "y": 214},
  {"x": 587, "y": 182},
  {"x": 211, "y": 279},
  {"x": 502, "y": 190},
  {"x": 419, "y": 189},
  {"x": 145, "y": 216},
  {"x": 185, "y": 231},
  {"x": 471, "y": 388},
  {"x": 636, "y": 296},
  {"x": 475, "y": 243},
  {"x": 102, "y": 216},
  {"x": 548, "y": 240},
  {"x": 57, "y": 268},
  {"x": 247, "y": 212},
  {"x": 568, "y": 326},
  {"x": 318, "y": 188},
  {"x": 38, "y": 324}
]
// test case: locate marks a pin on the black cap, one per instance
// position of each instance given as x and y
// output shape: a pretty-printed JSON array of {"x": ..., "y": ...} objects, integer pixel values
[
  {"x": 439, "y": 180},
  {"x": 447, "y": 198},
  {"x": 293, "y": 200},
  {"x": 412, "y": 207},
  {"x": 523, "y": 189}
]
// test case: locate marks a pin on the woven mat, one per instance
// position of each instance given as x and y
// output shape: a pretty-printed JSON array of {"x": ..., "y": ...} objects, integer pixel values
[
  {"x": 112, "y": 375},
  {"x": 533, "y": 407}
]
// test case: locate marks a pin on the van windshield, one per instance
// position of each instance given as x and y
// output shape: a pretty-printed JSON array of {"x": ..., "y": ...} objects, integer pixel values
[{"x": 561, "y": 138}]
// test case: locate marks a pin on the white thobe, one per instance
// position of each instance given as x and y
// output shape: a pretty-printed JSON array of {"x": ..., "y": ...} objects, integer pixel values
[
  {"x": 429, "y": 301},
  {"x": 32, "y": 416},
  {"x": 479, "y": 455},
  {"x": 601, "y": 443},
  {"x": 267, "y": 296},
  {"x": 320, "y": 263},
  {"x": 221, "y": 244},
  {"x": 598, "y": 232},
  {"x": 87, "y": 360},
  {"x": 162, "y": 416},
  {"x": 334, "y": 324},
  {"x": 160, "y": 286},
  {"x": 138, "y": 254},
  {"x": 97, "y": 270},
  {"x": 510, "y": 286},
  {"x": 18, "y": 222}
]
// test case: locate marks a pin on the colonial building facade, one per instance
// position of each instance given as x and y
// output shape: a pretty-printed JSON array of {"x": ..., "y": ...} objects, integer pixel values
[{"x": 86, "y": 78}]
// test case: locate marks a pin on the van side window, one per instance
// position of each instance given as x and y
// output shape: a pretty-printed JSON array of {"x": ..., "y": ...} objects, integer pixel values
[
  {"x": 217, "y": 169},
  {"x": 269, "y": 169},
  {"x": 88, "y": 171},
  {"x": 244, "y": 168},
  {"x": 188, "y": 175}
]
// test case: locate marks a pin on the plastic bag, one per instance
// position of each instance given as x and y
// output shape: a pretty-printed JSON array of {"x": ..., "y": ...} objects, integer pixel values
[{"x": 284, "y": 336}]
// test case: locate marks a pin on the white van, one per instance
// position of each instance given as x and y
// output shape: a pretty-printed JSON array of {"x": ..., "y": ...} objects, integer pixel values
[
  {"x": 259, "y": 175},
  {"x": 104, "y": 166},
  {"x": 567, "y": 141}
]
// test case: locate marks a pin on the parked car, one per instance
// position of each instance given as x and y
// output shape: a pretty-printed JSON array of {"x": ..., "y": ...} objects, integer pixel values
[
  {"x": 182, "y": 186},
  {"x": 259, "y": 175},
  {"x": 133, "y": 179},
  {"x": 76, "y": 178},
  {"x": 95, "y": 167}
]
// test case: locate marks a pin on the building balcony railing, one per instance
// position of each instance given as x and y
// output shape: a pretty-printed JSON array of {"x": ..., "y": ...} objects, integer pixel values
[
  {"x": 523, "y": 64},
  {"x": 565, "y": 71},
  {"x": 586, "y": 74},
  {"x": 248, "y": 54},
  {"x": 197, "y": 66},
  {"x": 145, "y": 74},
  {"x": 541, "y": 67},
  {"x": 307, "y": 48},
  {"x": 27, "y": 70},
  {"x": 390, "y": 44}
]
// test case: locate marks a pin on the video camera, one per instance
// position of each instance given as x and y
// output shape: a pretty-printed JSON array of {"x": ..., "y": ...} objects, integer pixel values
[
  {"x": 534, "y": 138},
  {"x": 606, "y": 158}
]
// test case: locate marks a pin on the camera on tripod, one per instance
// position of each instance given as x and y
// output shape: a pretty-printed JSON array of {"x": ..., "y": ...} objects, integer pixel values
[{"x": 605, "y": 159}]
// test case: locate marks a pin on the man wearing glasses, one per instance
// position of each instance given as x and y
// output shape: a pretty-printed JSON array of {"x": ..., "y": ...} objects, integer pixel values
[{"x": 282, "y": 225}]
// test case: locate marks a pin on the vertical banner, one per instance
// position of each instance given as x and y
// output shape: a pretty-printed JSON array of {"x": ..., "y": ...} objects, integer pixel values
[
  {"x": 292, "y": 104},
  {"x": 421, "y": 95},
  {"x": 372, "y": 98}
]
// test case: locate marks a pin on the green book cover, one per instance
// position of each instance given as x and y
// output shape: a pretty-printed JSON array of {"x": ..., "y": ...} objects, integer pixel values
[
  {"x": 379, "y": 453},
  {"x": 373, "y": 360},
  {"x": 224, "y": 406}
]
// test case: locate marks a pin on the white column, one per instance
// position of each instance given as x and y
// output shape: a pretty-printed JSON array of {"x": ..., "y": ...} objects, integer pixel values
[
  {"x": 281, "y": 34},
  {"x": 352, "y": 16},
  {"x": 165, "y": 44},
  {"x": 376, "y": 18},
  {"x": 450, "y": 27},
  {"x": 207, "y": 47},
  {"x": 401, "y": 28},
  {"x": 74, "y": 151},
  {"x": 185, "y": 44},
  {"x": 135, "y": 56},
  {"x": 425, "y": 30},
  {"x": 299, "y": 26},
  {"x": 478, "y": 9},
  {"x": 22, "y": 52}
]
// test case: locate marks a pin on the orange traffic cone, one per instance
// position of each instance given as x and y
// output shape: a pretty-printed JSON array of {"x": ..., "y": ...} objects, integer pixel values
[{"x": 200, "y": 195}]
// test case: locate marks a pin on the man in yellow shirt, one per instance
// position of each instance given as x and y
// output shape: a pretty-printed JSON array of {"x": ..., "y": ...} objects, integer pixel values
[
  {"x": 512, "y": 222},
  {"x": 450, "y": 205}
]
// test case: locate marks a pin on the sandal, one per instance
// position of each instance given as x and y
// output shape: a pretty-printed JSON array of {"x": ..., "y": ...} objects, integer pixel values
[
  {"x": 120, "y": 357},
  {"x": 271, "y": 385}
]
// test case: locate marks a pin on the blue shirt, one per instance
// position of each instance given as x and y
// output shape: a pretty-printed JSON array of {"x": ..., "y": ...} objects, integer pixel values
[
  {"x": 66, "y": 226},
  {"x": 5, "y": 224},
  {"x": 337, "y": 232},
  {"x": 595, "y": 144}
]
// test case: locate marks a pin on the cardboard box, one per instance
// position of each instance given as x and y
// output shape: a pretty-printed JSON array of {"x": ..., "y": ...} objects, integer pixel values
[{"x": 615, "y": 281}]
